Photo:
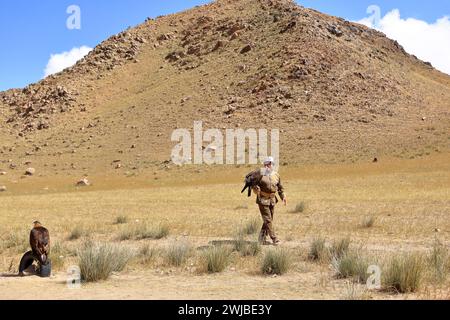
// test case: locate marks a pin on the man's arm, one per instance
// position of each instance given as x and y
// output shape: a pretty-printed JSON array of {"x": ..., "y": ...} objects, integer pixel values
[{"x": 281, "y": 192}]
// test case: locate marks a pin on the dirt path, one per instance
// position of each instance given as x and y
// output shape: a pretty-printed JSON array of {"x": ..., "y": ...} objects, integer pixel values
[
  {"x": 306, "y": 281},
  {"x": 150, "y": 286}
]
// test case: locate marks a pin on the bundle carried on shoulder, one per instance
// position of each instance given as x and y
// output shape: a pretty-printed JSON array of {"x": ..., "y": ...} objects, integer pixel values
[{"x": 252, "y": 180}]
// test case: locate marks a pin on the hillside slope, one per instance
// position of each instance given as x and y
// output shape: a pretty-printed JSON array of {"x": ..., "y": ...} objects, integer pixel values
[{"x": 338, "y": 91}]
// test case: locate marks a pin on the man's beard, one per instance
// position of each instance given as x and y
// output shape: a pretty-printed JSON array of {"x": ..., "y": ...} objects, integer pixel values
[{"x": 268, "y": 171}]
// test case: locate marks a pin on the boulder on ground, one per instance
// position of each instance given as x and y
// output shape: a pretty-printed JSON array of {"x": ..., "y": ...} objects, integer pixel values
[
  {"x": 83, "y": 183},
  {"x": 30, "y": 171}
]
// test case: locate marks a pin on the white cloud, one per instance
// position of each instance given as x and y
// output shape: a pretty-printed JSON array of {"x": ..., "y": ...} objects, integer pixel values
[
  {"x": 428, "y": 41},
  {"x": 61, "y": 61}
]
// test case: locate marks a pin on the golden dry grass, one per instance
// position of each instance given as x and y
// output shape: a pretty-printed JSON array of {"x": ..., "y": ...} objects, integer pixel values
[{"x": 410, "y": 204}]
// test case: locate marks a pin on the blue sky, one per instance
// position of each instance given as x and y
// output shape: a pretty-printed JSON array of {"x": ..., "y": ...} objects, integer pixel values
[{"x": 30, "y": 31}]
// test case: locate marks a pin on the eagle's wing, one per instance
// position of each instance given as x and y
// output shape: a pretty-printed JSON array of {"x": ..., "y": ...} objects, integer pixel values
[{"x": 34, "y": 241}]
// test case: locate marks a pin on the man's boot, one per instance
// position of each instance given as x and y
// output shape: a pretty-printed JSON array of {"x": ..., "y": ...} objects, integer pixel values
[{"x": 263, "y": 238}]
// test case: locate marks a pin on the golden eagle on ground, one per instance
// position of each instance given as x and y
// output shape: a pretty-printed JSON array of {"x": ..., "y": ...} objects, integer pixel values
[{"x": 40, "y": 242}]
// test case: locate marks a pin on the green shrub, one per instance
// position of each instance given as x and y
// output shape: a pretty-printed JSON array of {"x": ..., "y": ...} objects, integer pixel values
[
  {"x": 156, "y": 232},
  {"x": 404, "y": 273},
  {"x": 438, "y": 260},
  {"x": 121, "y": 220},
  {"x": 317, "y": 250},
  {"x": 244, "y": 247},
  {"x": 251, "y": 249},
  {"x": 141, "y": 232},
  {"x": 251, "y": 227},
  {"x": 147, "y": 254},
  {"x": 98, "y": 261},
  {"x": 299, "y": 208},
  {"x": 216, "y": 259},
  {"x": 127, "y": 233},
  {"x": 239, "y": 241},
  {"x": 177, "y": 253},
  {"x": 275, "y": 261},
  {"x": 352, "y": 265},
  {"x": 339, "y": 248}
]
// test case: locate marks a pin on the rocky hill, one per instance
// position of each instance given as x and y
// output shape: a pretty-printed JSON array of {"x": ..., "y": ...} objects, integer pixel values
[{"x": 338, "y": 91}]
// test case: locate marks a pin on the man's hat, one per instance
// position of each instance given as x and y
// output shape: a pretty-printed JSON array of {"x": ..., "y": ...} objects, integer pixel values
[{"x": 269, "y": 160}]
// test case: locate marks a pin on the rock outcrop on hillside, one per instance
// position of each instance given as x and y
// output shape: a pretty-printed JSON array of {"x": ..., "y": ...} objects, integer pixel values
[{"x": 337, "y": 90}]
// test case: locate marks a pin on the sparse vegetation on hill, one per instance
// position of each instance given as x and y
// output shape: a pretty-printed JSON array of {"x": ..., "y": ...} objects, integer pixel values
[
  {"x": 340, "y": 93},
  {"x": 335, "y": 89}
]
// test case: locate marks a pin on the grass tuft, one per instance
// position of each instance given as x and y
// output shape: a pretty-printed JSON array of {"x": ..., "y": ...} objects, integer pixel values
[
  {"x": 177, "y": 253},
  {"x": 404, "y": 273},
  {"x": 98, "y": 261},
  {"x": 216, "y": 259},
  {"x": 143, "y": 232},
  {"x": 76, "y": 233},
  {"x": 244, "y": 247},
  {"x": 58, "y": 255},
  {"x": 121, "y": 220},
  {"x": 17, "y": 240},
  {"x": 318, "y": 250},
  {"x": 299, "y": 208},
  {"x": 351, "y": 265},
  {"x": 251, "y": 249},
  {"x": 368, "y": 222},
  {"x": 438, "y": 260},
  {"x": 339, "y": 248},
  {"x": 147, "y": 254},
  {"x": 251, "y": 227},
  {"x": 275, "y": 261},
  {"x": 157, "y": 232}
]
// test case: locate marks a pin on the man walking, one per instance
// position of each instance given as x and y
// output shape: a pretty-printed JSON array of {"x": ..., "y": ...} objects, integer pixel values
[{"x": 266, "y": 189}]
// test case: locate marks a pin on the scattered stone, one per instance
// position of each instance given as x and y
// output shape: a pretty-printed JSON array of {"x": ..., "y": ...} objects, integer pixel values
[
  {"x": 30, "y": 171},
  {"x": 175, "y": 56},
  {"x": 219, "y": 44},
  {"x": 230, "y": 110},
  {"x": 2, "y": 173},
  {"x": 83, "y": 183},
  {"x": 3, "y": 189},
  {"x": 234, "y": 36},
  {"x": 335, "y": 31},
  {"x": 164, "y": 37},
  {"x": 299, "y": 72},
  {"x": 185, "y": 99},
  {"x": 194, "y": 50},
  {"x": 290, "y": 26},
  {"x": 246, "y": 49}
]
